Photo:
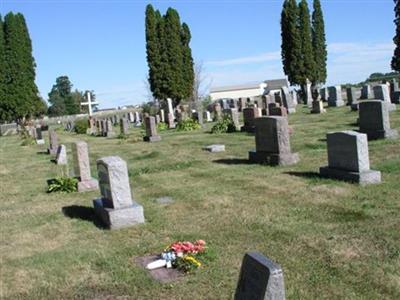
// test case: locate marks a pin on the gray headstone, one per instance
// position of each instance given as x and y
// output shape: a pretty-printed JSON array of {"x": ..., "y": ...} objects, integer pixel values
[
  {"x": 151, "y": 130},
  {"x": 124, "y": 125},
  {"x": 374, "y": 120},
  {"x": 61, "y": 158},
  {"x": 287, "y": 101},
  {"x": 116, "y": 207},
  {"x": 260, "y": 279},
  {"x": 366, "y": 92},
  {"x": 272, "y": 142},
  {"x": 249, "y": 114},
  {"x": 53, "y": 142},
  {"x": 351, "y": 95},
  {"x": 335, "y": 96},
  {"x": 80, "y": 153},
  {"x": 348, "y": 158}
]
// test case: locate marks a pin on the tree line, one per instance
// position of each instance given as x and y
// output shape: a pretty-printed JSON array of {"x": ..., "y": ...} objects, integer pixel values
[
  {"x": 19, "y": 94},
  {"x": 396, "y": 57},
  {"x": 169, "y": 56},
  {"x": 304, "y": 52}
]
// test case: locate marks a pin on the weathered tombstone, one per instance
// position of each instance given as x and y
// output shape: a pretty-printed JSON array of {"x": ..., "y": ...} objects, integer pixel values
[
  {"x": 109, "y": 129},
  {"x": 272, "y": 142},
  {"x": 131, "y": 117},
  {"x": 80, "y": 153},
  {"x": 170, "y": 107},
  {"x": 242, "y": 103},
  {"x": 53, "y": 142},
  {"x": 318, "y": 107},
  {"x": 61, "y": 157},
  {"x": 171, "y": 121},
  {"x": 308, "y": 95},
  {"x": 335, "y": 96},
  {"x": 394, "y": 91},
  {"x": 124, "y": 126},
  {"x": 351, "y": 95},
  {"x": 374, "y": 120},
  {"x": 288, "y": 101},
  {"x": 162, "y": 114},
  {"x": 104, "y": 127},
  {"x": 249, "y": 114},
  {"x": 39, "y": 136},
  {"x": 324, "y": 94},
  {"x": 294, "y": 97},
  {"x": 208, "y": 116},
  {"x": 151, "y": 130},
  {"x": 137, "y": 117},
  {"x": 275, "y": 110},
  {"x": 158, "y": 119},
  {"x": 91, "y": 126},
  {"x": 382, "y": 92},
  {"x": 234, "y": 115},
  {"x": 115, "y": 207},
  {"x": 260, "y": 278},
  {"x": 348, "y": 158},
  {"x": 217, "y": 111},
  {"x": 366, "y": 92}
]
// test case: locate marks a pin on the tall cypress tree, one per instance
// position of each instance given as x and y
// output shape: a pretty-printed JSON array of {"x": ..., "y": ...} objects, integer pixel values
[
  {"x": 291, "y": 42},
  {"x": 22, "y": 98},
  {"x": 3, "y": 111},
  {"x": 319, "y": 44},
  {"x": 396, "y": 56},
  {"x": 152, "y": 49},
  {"x": 306, "y": 43},
  {"x": 188, "y": 71},
  {"x": 174, "y": 78}
]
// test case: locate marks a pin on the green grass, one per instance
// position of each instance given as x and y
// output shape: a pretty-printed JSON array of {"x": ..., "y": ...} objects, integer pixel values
[{"x": 334, "y": 240}]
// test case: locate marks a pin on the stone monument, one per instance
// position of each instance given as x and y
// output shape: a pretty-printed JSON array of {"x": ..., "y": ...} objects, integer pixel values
[
  {"x": 151, "y": 130},
  {"x": 80, "y": 153},
  {"x": 116, "y": 208},
  {"x": 348, "y": 158}
]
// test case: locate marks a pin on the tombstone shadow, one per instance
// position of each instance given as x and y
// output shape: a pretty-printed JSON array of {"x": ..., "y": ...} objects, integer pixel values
[
  {"x": 42, "y": 152},
  {"x": 232, "y": 161},
  {"x": 311, "y": 175},
  {"x": 83, "y": 213},
  {"x": 322, "y": 140}
]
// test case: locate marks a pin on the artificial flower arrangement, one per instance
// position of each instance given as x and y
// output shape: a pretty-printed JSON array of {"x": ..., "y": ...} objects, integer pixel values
[{"x": 185, "y": 256}]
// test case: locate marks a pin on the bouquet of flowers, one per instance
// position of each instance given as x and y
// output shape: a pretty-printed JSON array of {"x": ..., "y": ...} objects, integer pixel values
[{"x": 185, "y": 256}]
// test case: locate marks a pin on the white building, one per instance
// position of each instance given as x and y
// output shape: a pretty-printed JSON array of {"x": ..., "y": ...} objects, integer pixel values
[{"x": 248, "y": 90}]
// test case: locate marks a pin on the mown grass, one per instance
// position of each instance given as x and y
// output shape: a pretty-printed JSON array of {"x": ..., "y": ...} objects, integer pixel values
[{"x": 334, "y": 240}]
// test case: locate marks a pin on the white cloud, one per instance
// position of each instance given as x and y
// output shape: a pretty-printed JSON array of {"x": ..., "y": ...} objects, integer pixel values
[{"x": 347, "y": 62}]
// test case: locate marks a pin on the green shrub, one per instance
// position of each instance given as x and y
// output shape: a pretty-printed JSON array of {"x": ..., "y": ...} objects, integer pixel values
[
  {"x": 188, "y": 125},
  {"x": 162, "y": 126},
  {"x": 122, "y": 136},
  {"x": 63, "y": 185},
  {"x": 81, "y": 126},
  {"x": 223, "y": 126}
]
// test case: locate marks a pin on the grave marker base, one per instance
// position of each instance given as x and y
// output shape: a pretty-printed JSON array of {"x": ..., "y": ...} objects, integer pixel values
[
  {"x": 40, "y": 142},
  {"x": 119, "y": 218},
  {"x": 273, "y": 159},
  {"x": 249, "y": 129},
  {"x": 363, "y": 178},
  {"x": 88, "y": 185},
  {"x": 381, "y": 134},
  {"x": 155, "y": 138}
]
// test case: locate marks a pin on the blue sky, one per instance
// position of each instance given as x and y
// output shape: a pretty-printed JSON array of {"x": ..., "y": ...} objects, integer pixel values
[{"x": 100, "y": 44}]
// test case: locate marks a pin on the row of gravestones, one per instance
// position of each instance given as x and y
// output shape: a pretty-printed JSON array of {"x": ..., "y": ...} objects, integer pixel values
[
  {"x": 348, "y": 157},
  {"x": 389, "y": 93},
  {"x": 115, "y": 208}
]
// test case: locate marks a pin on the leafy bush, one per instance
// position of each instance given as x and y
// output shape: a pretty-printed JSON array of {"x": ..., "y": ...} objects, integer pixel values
[
  {"x": 188, "y": 125},
  {"x": 63, "y": 185},
  {"x": 122, "y": 136},
  {"x": 81, "y": 126},
  {"x": 224, "y": 125},
  {"x": 162, "y": 126}
]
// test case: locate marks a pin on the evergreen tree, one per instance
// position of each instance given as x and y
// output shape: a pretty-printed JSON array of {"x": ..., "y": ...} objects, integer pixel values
[
  {"x": 396, "y": 56},
  {"x": 62, "y": 101},
  {"x": 306, "y": 43},
  {"x": 162, "y": 91},
  {"x": 188, "y": 71},
  {"x": 3, "y": 111},
  {"x": 319, "y": 44},
  {"x": 152, "y": 51},
  {"x": 173, "y": 48},
  {"x": 21, "y": 93},
  {"x": 291, "y": 43}
]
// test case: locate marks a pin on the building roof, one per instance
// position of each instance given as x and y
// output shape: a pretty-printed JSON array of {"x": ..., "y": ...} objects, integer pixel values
[
  {"x": 248, "y": 86},
  {"x": 276, "y": 84}
]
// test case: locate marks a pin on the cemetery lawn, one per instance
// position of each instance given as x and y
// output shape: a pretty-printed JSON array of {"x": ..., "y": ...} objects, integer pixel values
[{"x": 334, "y": 240}]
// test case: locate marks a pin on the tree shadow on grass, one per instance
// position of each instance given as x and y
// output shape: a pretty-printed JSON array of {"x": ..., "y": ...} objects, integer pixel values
[
  {"x": 232, "y": 161},
  {"x": 312, "y": 175},
  {"x": 83, "y": 213}
]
